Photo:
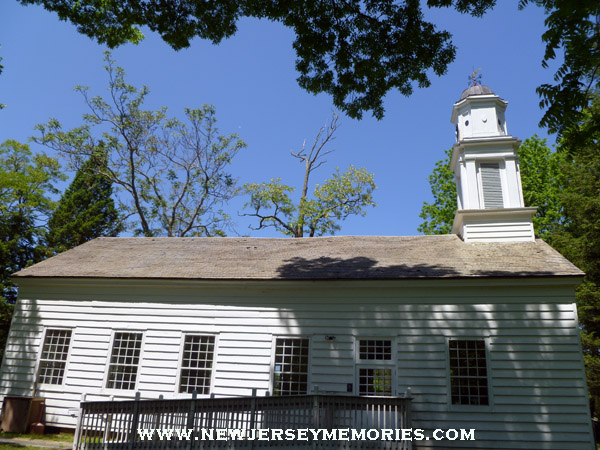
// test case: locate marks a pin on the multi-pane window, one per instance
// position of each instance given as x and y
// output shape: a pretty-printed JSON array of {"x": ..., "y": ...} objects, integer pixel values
[
  {"x": 468, "y": 372},
  {"x": 54, "y": 356},
  {"x": 290, "y": 373},
  {"x": 373, "y": 381},
  {"x": 124, "y": 360},
  {"x": 376, "y": 376},
  {"x": 197, "y": 364},
  {"x": 376, "y": 349}
]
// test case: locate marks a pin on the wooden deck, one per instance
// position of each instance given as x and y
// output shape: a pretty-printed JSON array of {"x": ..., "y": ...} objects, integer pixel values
[{"x": 120, "y": 425}]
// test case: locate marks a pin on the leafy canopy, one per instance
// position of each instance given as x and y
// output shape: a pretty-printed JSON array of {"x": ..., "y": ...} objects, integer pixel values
[
  {"x": 356, "y": 51},
  {"x": 572, "y": 31},
  {"x": 577, "y": 236},
  {"x": 440, "y": 214},
  {"x": 171, "y": 175},
  {"x": 26, "y": 185},
  {"x": 342, "y": 195},
  {"x": 565, "y": 186},
  {"x": 540, "y": 177}
]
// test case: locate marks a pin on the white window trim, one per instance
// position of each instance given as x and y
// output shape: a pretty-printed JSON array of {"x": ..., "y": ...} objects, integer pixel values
[
  {"x": 180, "y": 365},
  {"x": 375, "y": 363},
  {"x": 309, "y": 386},
  {"x": 470, "y": 408},
  {"x": 47, "y": 386},
  {"x": 123, "y": 392},
  {"x": 503, "y": 181}
]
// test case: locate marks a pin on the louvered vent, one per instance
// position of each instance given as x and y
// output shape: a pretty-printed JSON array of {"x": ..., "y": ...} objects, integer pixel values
[{"x": 492, "y": 186}]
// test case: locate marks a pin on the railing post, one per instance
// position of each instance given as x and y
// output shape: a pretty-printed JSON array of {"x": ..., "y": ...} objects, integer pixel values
[
  {"x": 135, "y": 417},
  {"x": 253, "y": 409},
  {"x": 408, "y": 413},
  {"x": 77, "y": 438},
  {"x": 316, "y": 413},
  {"x": 108, "y": 426},
  {"x": 253, "y": 415},
  {"x": 191, "y": 415},
  {"x": 408, "y": 408}
]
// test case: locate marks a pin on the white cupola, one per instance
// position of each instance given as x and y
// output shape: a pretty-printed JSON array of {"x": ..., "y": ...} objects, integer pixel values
[{"x": 486, "y": 171}]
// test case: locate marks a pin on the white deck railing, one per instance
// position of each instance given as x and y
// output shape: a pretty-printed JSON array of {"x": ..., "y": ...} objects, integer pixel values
[{"x": 115, "y": 425}]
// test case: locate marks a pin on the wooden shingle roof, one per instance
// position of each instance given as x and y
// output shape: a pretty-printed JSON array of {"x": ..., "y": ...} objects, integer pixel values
[{"x": 330, "y": 258}]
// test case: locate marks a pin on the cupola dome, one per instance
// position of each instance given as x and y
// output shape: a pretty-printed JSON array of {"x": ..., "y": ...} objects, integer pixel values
[{"x": 477, "y": 89}]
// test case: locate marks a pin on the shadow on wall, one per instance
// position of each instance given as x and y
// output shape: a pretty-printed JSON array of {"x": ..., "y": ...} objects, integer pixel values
[
  {"x": 527, "y": 341},
  {"x": 20, "y": 355}
]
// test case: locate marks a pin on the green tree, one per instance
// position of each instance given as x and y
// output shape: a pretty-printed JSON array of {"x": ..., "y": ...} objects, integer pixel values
[
  {"x": 26, "y": 186},
  {"x": 357, "y": 50},
  {"x": 540, "y": 177},
  {"x": 172, "y": 175},
  {"x": 86, "y": 209},
  {"x": 572, "y": 32},
  {"x": 565, "y": 186},
  {"x": 439, "y": 215},
  {"x": 578, "y": 237},
  {"x": 342, "y": 195},
  {"x": 542, "y": 181}
]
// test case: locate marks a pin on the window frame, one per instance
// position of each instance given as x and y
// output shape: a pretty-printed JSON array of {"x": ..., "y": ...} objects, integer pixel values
[
  {"x": 41, "y": 351},
  {"x": 105, "y": 387},
  {"x": 471, "y": 408},
  {"x": 271, "y": 389},
  {"x": 375, "y": 363},
  {"x": 180, "y": 367}
]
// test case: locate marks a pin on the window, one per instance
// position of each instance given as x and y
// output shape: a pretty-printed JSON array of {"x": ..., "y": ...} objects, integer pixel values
[
  {"x": 468, "y": 372},
  {"x": 54, "y": 356},
  {"x": 374, "y": 381},
  {"x": 290, "y": 373},
  {"x": 377, "y": 377},
  {"x": 124, "y": 360},
  {"x": 491, "y": 185},
  {"x": 370, "y": 349},
  {"x": 197, "y": 364}
]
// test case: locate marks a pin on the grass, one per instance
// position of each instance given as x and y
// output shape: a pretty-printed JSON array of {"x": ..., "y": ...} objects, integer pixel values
[
  {"x": 56, "y": 437},
  {"x": 19, "y": 447}
]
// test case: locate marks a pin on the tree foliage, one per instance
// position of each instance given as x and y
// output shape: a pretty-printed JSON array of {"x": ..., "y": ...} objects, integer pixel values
[
  {"x": 578, "y": 236},
  {"x": 573, "y": 33},
  {"x": 172, "y": 175},
  {"x": 565, "y": 186},
  {"x": 342, "y": 195},
  {"x": 26, "y": 184},
  {"x": 542, "y": 181},
  {"x": 356, "y": 51},
  {"x": 440, "y": 214},
  {"x": 86, "y": 209},
  {"x": 540, "y": 177}
]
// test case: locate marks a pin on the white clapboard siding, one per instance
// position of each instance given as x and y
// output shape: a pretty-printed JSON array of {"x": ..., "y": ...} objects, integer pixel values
[{"x": 538, "y": 392}]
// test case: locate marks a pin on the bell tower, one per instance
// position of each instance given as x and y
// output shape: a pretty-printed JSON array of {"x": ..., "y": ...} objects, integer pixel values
[{"x": 486, "y": 172}]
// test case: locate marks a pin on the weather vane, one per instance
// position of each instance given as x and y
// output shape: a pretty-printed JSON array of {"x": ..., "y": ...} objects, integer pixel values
[{"x": 475, "y": 77}]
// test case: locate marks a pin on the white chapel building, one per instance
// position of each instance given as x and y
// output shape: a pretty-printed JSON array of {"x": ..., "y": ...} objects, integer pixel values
[{"x": 480, "y": 326}]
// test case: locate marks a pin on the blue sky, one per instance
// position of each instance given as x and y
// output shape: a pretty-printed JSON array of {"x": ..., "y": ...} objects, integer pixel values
[{"x": 251, "y": 80}]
